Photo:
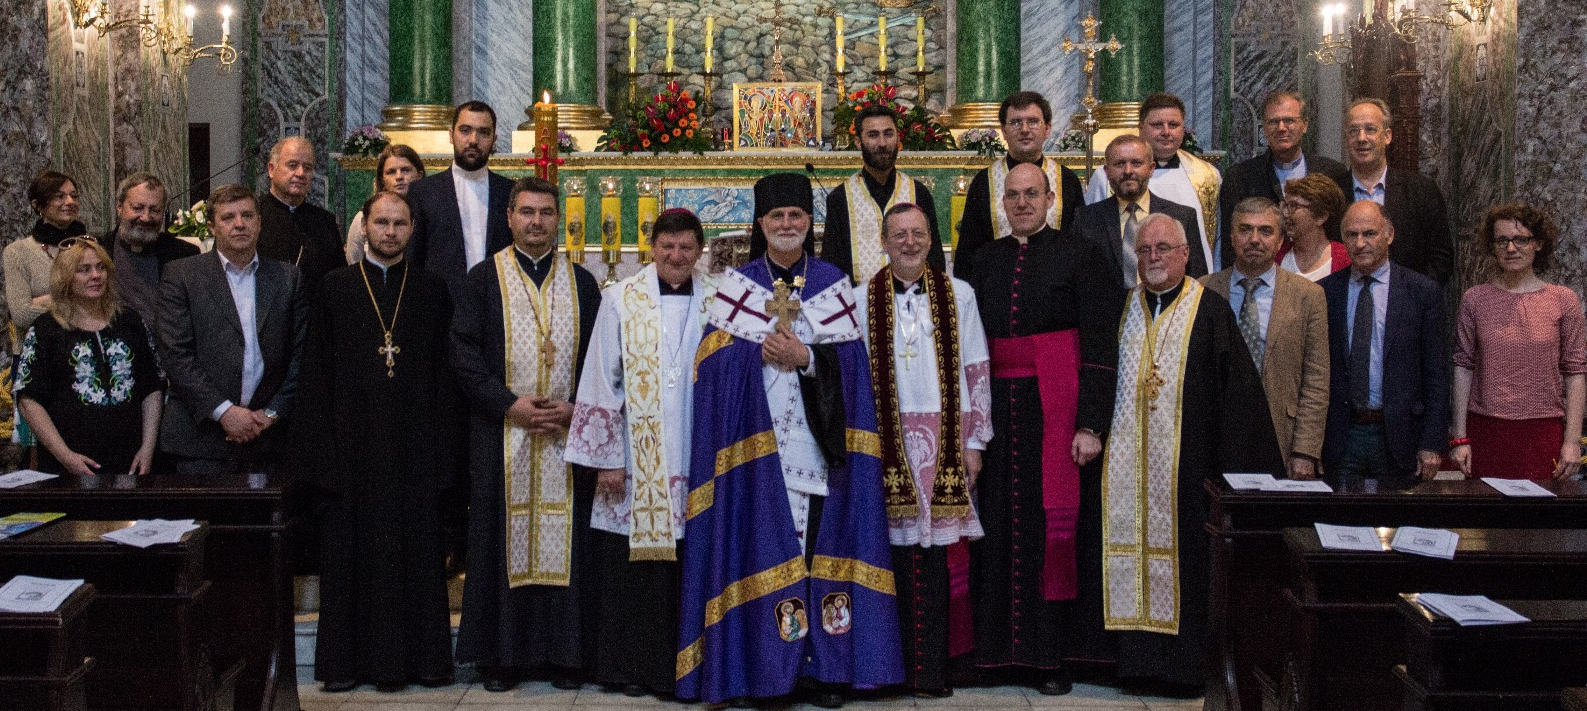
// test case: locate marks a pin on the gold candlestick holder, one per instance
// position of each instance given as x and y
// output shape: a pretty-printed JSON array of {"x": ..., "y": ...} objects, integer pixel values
[
  {"x": 633, "y": 88},
  {"x": 668, "y": 77},
  {"x": 709, "y": 110},
  {"x": 885, "y": 76},
  {"x": 920, "y": 85},
  {"x": 573, "y": 192},
  {"x": 611, "y": 227}
]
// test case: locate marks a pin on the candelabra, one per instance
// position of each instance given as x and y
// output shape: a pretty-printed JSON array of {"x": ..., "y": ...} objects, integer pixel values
[
  {"x": 920, "y": 85},
  {"x": 709, "y": 109},
  {"x": 633, "y": 88}
]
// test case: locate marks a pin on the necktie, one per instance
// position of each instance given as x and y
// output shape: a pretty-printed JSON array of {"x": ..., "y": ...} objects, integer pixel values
[
  {"x": 1251, "y": 321},
  {"x": 1361, "y": 346},
  {"x": 1131, "y": 226}
]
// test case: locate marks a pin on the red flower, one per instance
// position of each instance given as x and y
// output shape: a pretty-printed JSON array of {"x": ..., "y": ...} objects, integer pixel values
[{"x": 672, "y": 86}]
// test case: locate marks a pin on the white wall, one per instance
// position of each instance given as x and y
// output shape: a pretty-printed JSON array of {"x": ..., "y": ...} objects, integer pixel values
[{"x": 217, "y": 99}]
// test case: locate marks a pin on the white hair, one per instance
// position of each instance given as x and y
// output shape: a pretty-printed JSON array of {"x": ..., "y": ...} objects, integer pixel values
[{"x": 1173, "y": 227}]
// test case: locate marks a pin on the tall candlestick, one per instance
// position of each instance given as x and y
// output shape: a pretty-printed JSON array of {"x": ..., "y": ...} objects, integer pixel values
[
  {"x": 710, "y": 42},
  {"x": 881, "y": 43},
  {"x": 670, "y": 26},
  {"x": 920, "y": 43},
  {"x": 839, "y": 22},
  {"x": 633, "y": 44}
]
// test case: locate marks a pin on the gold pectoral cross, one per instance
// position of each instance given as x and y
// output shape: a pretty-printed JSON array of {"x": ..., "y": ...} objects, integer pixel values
[
  {"x": 1154, "y": 385},
  {"x": 784, "y": 304},
  {"x": 390, "y": 350}
]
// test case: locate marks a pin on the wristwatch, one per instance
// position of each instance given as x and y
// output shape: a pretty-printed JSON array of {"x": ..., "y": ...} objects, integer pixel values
[{"x": 273, "y": 415}]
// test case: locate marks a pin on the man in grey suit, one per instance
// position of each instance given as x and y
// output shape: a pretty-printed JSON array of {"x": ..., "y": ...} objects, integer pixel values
[
  {"x": 231, "y": 331},
  {"x": 1112, "y": 223},
  {"x": 1283, "y": 320}
]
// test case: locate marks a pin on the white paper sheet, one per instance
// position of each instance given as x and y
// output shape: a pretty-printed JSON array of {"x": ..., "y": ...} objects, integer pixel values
[
  {"x": 145, "y": 533},
  {"x": 1517, "y": 487},
  {"x": 1248, "y": 482},
  {"x": 1469, "y": 610},
  {"x": 1348, "y": 538},
  {"x": 25, "y": 593},
  {"x": 1431, "y": 542},
  {"x": 23, "y": 477}
]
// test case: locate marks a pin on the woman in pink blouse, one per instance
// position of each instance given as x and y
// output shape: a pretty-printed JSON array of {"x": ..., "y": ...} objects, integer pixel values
[{"x": 1520, "y": 358}]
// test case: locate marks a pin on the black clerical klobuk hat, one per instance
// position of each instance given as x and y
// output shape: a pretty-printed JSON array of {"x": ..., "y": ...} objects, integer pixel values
[{"x": 781, "y": 190}]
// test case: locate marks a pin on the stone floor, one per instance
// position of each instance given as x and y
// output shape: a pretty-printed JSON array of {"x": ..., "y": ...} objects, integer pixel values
[{"x": 540, "y": 696}]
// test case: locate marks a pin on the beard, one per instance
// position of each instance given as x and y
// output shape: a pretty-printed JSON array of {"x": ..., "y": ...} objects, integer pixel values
[
  {"x": 786, "y": 243},
  {"x": 471, "y": 164},
  {"x": 140, "y": 234},
  {"x": 881, "y": 159}
]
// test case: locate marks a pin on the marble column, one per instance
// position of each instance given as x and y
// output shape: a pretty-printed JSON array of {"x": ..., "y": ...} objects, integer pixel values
[
  {"x": 566, "y": 63},
  {"x": 1137, "y": 70},
  {"x": 987, "y": 60},
  {"x": 420, "y": 52}
]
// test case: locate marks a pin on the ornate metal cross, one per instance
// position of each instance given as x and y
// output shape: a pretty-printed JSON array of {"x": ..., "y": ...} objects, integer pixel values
[
  {"x": 784, "y": 304},
  {"x": 1089, "y": 46},
  {"x": 390, "y": 350}
]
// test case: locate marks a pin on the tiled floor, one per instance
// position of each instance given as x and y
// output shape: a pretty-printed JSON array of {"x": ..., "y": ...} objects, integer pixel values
[{"x": 539, "y": 696}]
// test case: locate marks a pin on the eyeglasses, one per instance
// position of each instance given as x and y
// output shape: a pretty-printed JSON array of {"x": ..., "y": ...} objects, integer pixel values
[
  {"x": 1517, "y": 242},
  {"x": 69, "y": 243},
  {"x": 1017, "y": 124},
  {"x": 1162, "y": 250},
  {"x": 1292, "y": 205},
  {"x": 1286, "y": 122}
]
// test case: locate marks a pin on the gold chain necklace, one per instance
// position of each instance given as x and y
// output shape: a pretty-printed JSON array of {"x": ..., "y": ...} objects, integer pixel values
[{"x": 390, "y": 350}]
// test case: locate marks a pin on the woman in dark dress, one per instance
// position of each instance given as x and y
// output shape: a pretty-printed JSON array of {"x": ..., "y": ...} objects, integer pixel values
[{"x": 87, "y": 382}]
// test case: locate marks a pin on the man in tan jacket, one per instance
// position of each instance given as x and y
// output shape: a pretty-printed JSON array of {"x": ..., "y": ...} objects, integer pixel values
[{"x": 1284, "y": 320}]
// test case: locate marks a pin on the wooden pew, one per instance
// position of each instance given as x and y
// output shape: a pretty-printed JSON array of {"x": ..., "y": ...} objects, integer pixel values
[
  {"x": 145, "y": 627},
  {"x": 251, "y": 584},
  {"x": 1346, "y": 636},
  {"x": 44, "y": 658},
  {"x": 1249, "y": 561},
  {"x": 1513, "y": 667}
]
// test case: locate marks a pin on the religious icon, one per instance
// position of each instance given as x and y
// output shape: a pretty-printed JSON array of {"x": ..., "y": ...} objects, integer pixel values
[
  {"x": 792, "y": 624},
  {"x": 782, "y": 116},
  {"x": 836, "y": 618}
]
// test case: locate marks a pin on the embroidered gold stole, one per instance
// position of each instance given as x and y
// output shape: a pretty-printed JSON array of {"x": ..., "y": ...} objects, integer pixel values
[
  {"x": 650, "y": 520},
  {"x": 542, "y": 330},
  {"x": 865, "y": 221},
  {"x": 1140, "y": 473},
  {"x": 1204, "y": 178},
  {"x": 949, "y": 496},
  {"x": 997, "y": 178}
]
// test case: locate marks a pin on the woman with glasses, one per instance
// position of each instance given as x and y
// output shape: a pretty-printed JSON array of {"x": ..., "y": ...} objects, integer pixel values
[
  {"x": 87, "y": 382},
  {"x": 1520, "y": 358},
  {"x": 397, "y": 169},
  {"x": 1312, "y": 207}
]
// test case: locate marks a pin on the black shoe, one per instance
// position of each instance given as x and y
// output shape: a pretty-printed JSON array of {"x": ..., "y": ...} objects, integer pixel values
[
  {"x": 391, "y": 687},
  {"x": 741, "y": 702},
  {"x": 827, "y": 699},
  {"x": 500, "y": 679},
  {"x": 634, "y": 690},
  {"x": 943, "y": 693},
  {"x": 338, "y": 687},
  {"x": 1057, "y": 684},
  {"x": 434, "y": 682},
  {"x": 566, "y": 683}
]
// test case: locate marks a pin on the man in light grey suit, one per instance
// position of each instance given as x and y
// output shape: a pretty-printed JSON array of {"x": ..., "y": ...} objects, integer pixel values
[
  {"x": 1283, "y": 320},
  {"x": 231, "y": 331}
]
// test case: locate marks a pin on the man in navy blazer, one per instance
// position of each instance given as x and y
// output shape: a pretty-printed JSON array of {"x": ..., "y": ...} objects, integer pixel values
[
  {"x": 1128, "y": 165},
  {"x": 231, "y": 330},
  {"x": 460, "y": 214},
  {"x": 1388, "y": 408}
]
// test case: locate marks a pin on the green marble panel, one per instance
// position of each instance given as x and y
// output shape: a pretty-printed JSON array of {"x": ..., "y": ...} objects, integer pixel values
[
  {"x": 564, "y": 50},
  {"x": 1137, "y": 70},
  {"x": 988, "y": 50},
  {"x": 421, "y": 51}
]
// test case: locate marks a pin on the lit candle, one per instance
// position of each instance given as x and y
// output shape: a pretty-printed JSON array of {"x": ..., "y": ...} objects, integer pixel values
[
  {"x": 190, "y": 13},
  {"x": 669, "y": 43},
  {"x": 881, "y": 43},
  {"x": 920, "y": 43},
  {"x": 840, "y": 42},
  {"x": 633, "y": 45},
  {"x": 225, "y": 24},
  {"x": 710, "y": 29}
]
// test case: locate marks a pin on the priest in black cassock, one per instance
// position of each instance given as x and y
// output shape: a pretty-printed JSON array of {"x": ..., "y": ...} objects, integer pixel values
[
  {"x": 380, "y": 380},
  {"x": 524, "y": 318},
  {"x": 1026, "y": 120},
  {"x": 1051, "y": 312},
  {"x": 852, "y": 241},
  {"x": 292, "y": 229},
  {"x": 1189, "y": 407}
]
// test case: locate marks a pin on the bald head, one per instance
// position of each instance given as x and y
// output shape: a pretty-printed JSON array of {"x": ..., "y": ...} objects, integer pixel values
[
  {"x": 291, "y": 169},
  {"x": 1027, "y": 195},
  {"x": 1366, "y": 233},
  {"x": 1161, "y": 251}
]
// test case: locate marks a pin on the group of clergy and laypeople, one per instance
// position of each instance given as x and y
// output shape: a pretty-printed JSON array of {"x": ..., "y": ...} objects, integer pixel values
[{"x": 805, "y": 474}]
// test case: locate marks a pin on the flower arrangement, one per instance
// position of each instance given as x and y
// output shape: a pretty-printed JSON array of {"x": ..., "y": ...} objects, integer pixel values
[
  {"x": 1190, "y": 145},
  {"x": 984, "y": 141},
  {"x": 667, "y": 122},
  {"x": 1073, "y": 141},
  {"x": 918, "y": 128},
  {"x": 565, "y": 143},
  {"x": 192, "y": 222},
  {"x": 365, "y": 141}
]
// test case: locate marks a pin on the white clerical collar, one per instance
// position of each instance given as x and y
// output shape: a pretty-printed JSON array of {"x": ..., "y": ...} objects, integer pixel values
[
  {"x": 383, "y": 268},
  {"x": 1300, "y": 159},
  {"x": 472, "y": 176},
  {"x": 533, "y": 259}
]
